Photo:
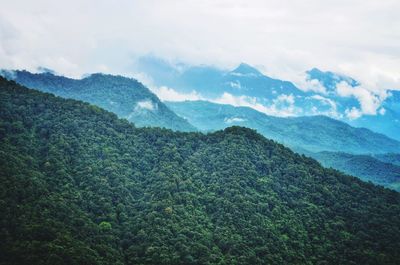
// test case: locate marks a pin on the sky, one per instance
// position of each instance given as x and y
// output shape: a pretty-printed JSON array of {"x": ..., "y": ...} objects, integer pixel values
[{"x": 283, "y": 38}]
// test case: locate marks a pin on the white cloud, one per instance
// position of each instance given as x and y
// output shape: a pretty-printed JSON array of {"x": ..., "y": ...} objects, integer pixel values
[
  {"x": 313, "y": 85},
  {"x": 246, "y": 75},
  {"x": 332, "y": 112},
  {"x": 282, "y": 106},
  {"x": 325, "y": 100},
  {"x": 285, "y": 99},
  {"x": 169, "y": 94},
  {"x": 147, "y": 105},
  {"x": 234, "y": 119},
  {"x": 356, "y": 37},
  {"x": 369, "y": 101},
  {"x": 236, "y": 85},
  {"x": 353, "y": 113}
]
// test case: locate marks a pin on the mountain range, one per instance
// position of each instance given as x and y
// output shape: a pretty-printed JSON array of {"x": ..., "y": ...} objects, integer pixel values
[
  {"x": 317, "y": 136},
  {"x": 313, "y": 133},
  {"x": 336, "y": 95},
  {"x": 80, "y": 186}
]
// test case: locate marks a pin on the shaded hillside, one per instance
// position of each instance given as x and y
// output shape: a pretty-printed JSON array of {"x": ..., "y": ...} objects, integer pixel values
[{"x": 80, "y": 186}]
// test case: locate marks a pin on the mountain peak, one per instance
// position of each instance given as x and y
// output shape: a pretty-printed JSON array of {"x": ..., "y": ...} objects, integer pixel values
[
  {"x": 330, "y": 79},
  {"x": 246, "y": 69},
  {"x": 314, "y": 70}
]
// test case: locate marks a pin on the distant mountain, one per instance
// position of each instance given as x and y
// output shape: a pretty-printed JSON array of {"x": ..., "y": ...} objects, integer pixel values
[
  {"x": 386, "y": 122},
  {"x": 126, "y": 97},
  {"x": 80, "y": 186},
  {"x": 212, "y": 82},
  {"x": 330, "y": 79},
  {"x": 389, "y": 158},
  {"x": 313, "y": 133},
  {"x": 246, "y": 70},
  {"x": 247, "y": 81},
  {"x": 364, "y": 166}
]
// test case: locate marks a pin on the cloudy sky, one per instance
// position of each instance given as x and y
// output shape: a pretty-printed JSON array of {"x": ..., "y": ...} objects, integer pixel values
[{"x": 283, "y": 38}]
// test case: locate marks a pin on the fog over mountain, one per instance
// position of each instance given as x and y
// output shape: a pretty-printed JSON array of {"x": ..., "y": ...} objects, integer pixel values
[
  {"x": 336, "y": 95},
  {"x": 286, "y": 38}
]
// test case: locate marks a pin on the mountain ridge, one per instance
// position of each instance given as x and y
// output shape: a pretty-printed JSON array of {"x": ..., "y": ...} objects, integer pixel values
[
  {"x": 316, "y": 93},
  {"x": 124, "y": 96},
  {"x": 306, "y": 135},
  {"x": 201, "y": 113}
]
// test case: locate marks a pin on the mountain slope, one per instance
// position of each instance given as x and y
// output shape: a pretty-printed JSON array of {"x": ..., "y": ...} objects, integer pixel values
[
  {"x": 314, "y": 133},
  {"x": 330, "y": 79},
  {"x": 80, "y": 186},
  {"x": 124, "y": 96},
  {"x": 389, "y": 158},
  {"x": 364, "y": 166}
]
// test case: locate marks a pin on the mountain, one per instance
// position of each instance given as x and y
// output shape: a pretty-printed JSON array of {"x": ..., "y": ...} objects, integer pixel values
[
  {"x": 246, "y": 70},
  {"x": 330, "y": 79},
  {"x": 126, "y": 97},
  {"x": 368, "y": 167},
  {"x": 389, "y": 158},
  {"x": 213, "y": 82},
  {"x": 386, "y": 122},
  {"x": 320, "y": 96},
  {"x": 314, "y": 133},
  {"x": 307, "y": 135},
  {"x": 80, "y": 186}
]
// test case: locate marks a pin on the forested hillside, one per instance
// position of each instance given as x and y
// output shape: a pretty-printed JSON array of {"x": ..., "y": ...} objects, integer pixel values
[
  {"x": 320, "y": 137},
  {"x": 80, "y": 186},
  {"x": 124, "y": 96},
  {"x": 369, "y": 167}
]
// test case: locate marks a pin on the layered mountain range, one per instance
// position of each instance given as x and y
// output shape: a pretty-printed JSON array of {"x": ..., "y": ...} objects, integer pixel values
[
  {"x": 357, "y": 151},
  {"x": 309, "y": 135},
  {"x": 326, "y": 93},
  {"x": 80, "y": 186}
]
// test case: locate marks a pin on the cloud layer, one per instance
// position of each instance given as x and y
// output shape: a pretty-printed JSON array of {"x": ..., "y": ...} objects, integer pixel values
[{"x": 282, "y": 37}]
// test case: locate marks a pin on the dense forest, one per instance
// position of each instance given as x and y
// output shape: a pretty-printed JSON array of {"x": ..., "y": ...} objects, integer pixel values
[
  {"x": 80, "y": 186},
  {"x": 356, "y": 151}
]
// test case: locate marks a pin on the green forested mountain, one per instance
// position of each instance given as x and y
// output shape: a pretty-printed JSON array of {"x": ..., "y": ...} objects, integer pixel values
[
  {"x": 320, "y": 137},
  {"x": 313, "y": 133},
  {"x": 366, "y": 166},
  {"x": 126, "y": 97},
  {"x": 80, "y": 186}
]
